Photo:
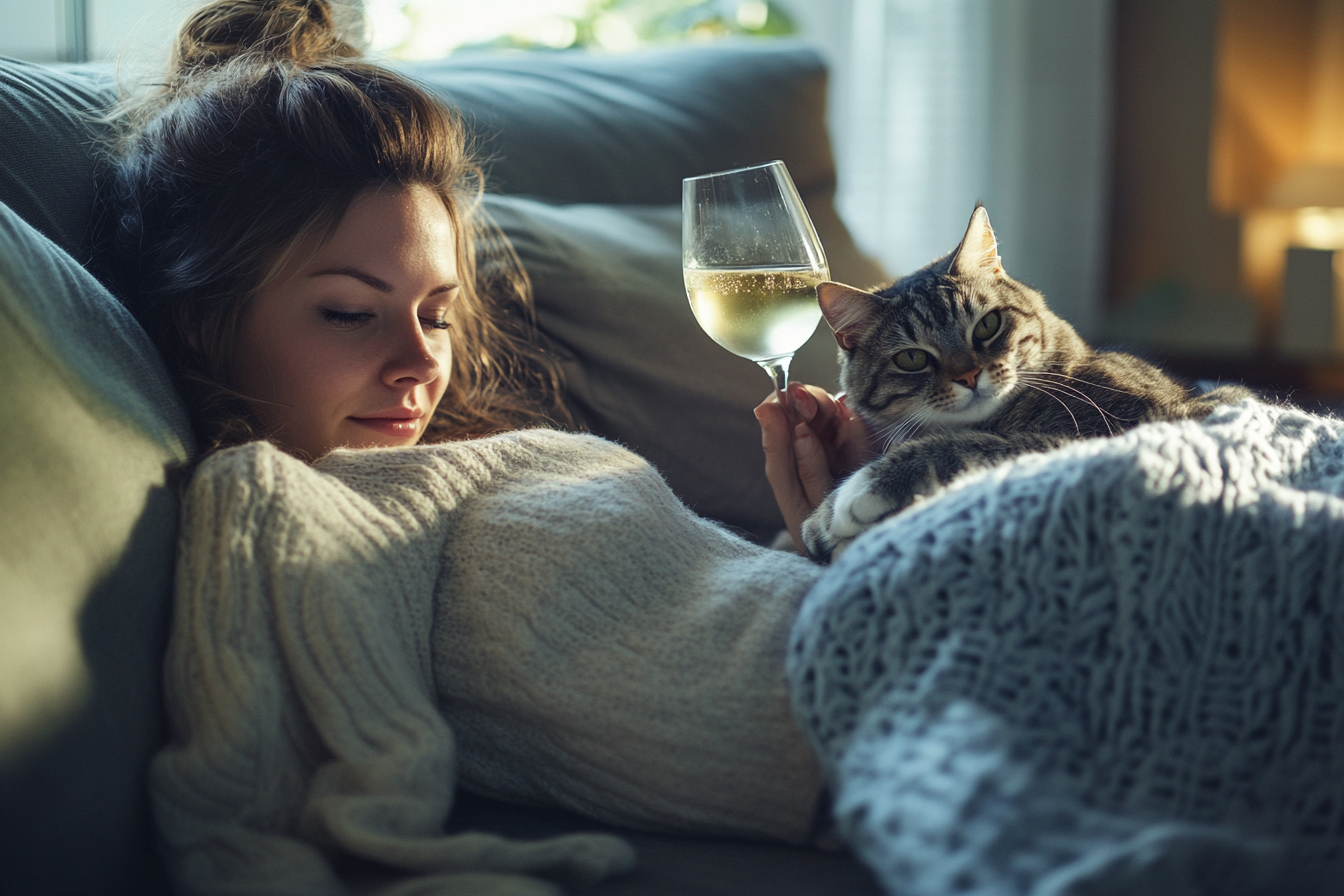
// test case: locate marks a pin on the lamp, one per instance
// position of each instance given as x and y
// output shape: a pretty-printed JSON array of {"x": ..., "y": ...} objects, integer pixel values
[
  {"x": 1277, "y": 161},
  {"x": 1311, "y": 318}
]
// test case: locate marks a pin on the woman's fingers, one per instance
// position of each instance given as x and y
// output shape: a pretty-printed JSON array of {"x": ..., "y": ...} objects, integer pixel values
[
  {"x": 781, "y": 466},
  {"x": 805, "y": 404},
  {"x": 804, "y": 457},
  {"x": 842, "y": 435},
  {"x": 813, "y": 466}
]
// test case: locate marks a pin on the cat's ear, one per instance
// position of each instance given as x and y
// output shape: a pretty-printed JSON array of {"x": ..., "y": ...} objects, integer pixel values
[
  {"x": 978, "y": 253},
  {"x": 847, "y": 310}
]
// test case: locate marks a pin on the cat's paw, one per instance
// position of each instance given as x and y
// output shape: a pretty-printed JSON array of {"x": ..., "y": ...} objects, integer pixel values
[
  {"x": 847, "y": 512},
  {"x": 817, "y": 532}
]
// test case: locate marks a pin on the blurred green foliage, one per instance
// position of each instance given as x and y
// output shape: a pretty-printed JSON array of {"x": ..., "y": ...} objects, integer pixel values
[{"x": 623, "y": 24}]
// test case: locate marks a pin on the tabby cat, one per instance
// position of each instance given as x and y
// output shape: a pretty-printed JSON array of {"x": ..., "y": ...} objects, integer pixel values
[{"x": 959, "y": 366}]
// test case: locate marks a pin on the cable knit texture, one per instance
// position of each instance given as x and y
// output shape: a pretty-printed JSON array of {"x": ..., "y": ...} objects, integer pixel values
[
  {"x": 534, "y": 615},
  {"x": 1117, "y": 668}
]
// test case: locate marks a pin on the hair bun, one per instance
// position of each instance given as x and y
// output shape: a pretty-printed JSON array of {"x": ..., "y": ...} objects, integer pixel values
[{"x": 306, "y": 32}]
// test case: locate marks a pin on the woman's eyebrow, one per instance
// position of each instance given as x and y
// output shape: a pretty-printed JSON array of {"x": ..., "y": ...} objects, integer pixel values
[{"x": 376, "y": 282}]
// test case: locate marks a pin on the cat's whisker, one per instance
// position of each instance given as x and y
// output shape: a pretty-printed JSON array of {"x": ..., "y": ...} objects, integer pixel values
[
  {"x": 1061, "y": 401},
  {"x": 1040, "y": 376},
  {"x": 1069, "y": 380},
  {"x": 1122, "y": 422},
  {"x": 901, "y": 429},
  {"x": 1047, "y": 356},
  {"x": 1066, "y": 389},
  {"x": 1077, "y": 379},
  {"x": 917, "y": 421},
  {"x": 888, "y": 435},
  {"x": 1101, "y": 412}
]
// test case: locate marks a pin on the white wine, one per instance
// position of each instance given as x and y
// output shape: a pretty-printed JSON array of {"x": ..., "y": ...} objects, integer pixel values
[{"x": 758, "y": 313}]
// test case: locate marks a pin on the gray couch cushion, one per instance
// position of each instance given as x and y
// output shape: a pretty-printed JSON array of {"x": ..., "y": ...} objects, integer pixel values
[
  {"x": 86, "y": 545},
  {"x": 48, "y": 132}
]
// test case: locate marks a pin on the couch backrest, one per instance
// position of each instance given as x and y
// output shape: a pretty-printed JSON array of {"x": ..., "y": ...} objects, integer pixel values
[
  {"x": 565, "y": 128},
  {"x": 49, "y": 135},
  {"x": 575, "y": 127}
]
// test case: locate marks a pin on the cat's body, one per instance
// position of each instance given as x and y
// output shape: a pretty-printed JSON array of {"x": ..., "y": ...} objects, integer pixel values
[{"x": 958, "y": 366}]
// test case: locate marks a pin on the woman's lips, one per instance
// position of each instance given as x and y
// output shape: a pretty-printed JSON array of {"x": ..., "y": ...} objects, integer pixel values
[{"x": 394, "y": 427}]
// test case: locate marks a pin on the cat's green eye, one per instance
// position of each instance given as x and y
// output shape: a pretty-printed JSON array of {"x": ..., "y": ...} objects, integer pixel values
[
  {"x": 912, "y": 359},
  {"x": 987, "y": 326}
]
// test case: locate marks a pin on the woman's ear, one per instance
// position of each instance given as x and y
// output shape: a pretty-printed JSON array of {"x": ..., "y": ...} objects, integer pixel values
[{"x": 847, "y": 310}]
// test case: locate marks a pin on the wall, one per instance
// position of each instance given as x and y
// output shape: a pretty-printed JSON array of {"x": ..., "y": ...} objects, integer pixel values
[
  {"x": 124, "y": 30},
  {"x": 1173, "y": 282}
]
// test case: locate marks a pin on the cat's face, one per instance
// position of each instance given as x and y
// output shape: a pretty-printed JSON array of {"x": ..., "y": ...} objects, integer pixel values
[{"x": 943, "y": 347}]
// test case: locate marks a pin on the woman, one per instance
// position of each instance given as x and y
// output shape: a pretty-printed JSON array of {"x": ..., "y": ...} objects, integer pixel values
[{"x": 297, "y": 231}]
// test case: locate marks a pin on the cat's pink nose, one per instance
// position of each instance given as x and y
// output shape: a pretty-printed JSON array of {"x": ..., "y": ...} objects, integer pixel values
[{"x": 968, "y": 378}]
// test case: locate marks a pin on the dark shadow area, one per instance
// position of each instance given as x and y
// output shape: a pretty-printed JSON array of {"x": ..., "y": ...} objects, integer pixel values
[
  {"x": 681, "y": 866},
  {"x": 74, "y": 815}
]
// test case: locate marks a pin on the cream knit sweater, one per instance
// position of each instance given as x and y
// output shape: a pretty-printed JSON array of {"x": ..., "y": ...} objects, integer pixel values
[{"x": 534, "y": 616}]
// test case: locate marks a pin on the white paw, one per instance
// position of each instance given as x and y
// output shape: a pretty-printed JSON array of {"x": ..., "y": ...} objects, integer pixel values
[
  {"x": 847, "y": 512},
  {"x": 857, "y": 506}
]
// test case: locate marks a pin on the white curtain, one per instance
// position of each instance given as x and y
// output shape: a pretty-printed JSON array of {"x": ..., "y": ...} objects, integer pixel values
[{"x": 936, "y": 104}]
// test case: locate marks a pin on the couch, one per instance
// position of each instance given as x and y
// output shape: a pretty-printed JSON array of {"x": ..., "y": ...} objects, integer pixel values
[{"x": 585, "y": 157}]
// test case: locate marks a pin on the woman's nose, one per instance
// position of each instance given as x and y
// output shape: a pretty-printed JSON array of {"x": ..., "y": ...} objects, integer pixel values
[{"x": 413, "y": 360}]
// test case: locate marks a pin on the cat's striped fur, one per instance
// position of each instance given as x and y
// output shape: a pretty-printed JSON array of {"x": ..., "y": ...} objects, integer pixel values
[{"x": 958, "y": 366}]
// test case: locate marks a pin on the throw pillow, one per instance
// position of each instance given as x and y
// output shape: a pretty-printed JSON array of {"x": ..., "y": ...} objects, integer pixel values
[{"x": 87, "y": 530}]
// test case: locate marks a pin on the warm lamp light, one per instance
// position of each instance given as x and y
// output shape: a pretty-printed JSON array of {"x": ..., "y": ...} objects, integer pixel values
[{"x": 1319, "y": 228}]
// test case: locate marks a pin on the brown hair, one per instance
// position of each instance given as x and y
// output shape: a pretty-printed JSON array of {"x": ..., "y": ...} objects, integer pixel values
[{"x": 266, "y": 128}]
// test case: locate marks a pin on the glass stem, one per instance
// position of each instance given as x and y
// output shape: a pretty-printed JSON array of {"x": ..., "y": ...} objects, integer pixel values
[{"x": 778, "y": 368}]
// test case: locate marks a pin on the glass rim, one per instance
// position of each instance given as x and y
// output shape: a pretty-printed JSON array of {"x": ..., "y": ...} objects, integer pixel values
[{"x": 735, "y": 170}]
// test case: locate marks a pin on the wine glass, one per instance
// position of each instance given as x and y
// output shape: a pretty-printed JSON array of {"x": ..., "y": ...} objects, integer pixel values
[{"x": 752, "y": 261}]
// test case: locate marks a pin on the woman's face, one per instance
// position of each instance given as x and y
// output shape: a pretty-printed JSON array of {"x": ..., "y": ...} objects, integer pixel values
[{"x": 349, "y": 346}]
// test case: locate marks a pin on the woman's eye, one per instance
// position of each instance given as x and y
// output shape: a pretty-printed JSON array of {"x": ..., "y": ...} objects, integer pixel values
[
  {"x": 435, "y": 323},
  {"x": 912, "y": 359},
  {"x": 987, "y": 326},
  {"x": 346, "y": 318}
]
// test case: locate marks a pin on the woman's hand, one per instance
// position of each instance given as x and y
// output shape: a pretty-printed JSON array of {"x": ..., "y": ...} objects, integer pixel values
[{"x": 802, "y": 463}]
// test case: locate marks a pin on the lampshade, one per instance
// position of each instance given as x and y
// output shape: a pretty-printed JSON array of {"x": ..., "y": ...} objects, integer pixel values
[{"x": 1307, "y": 185}]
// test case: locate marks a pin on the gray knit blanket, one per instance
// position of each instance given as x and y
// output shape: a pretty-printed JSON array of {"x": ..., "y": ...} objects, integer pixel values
[{"x": 1117, "y": 668}]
